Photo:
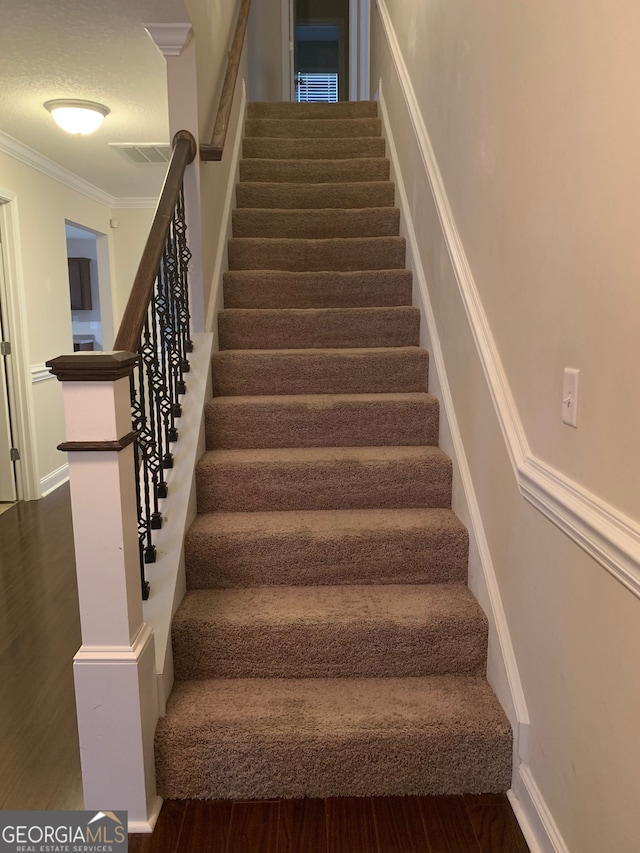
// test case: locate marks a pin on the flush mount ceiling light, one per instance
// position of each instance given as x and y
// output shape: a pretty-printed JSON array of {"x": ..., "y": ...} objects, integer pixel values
[{"x": 79, "y": 117}]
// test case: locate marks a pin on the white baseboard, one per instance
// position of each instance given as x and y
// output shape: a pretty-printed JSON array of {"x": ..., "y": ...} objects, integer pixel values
[
  {"x": 146, "y": 826},
  {"x": 532, "y": 813},
  {"x": 504, "y": 675},
  {"x": 52, "y": 481},
  {"x": 221, "y": 262}
]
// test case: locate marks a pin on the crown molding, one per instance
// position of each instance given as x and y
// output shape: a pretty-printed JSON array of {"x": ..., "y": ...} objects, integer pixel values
[
  {"x": 170, "y": 39},
  {"x": 135, "y": 203},
  {"x": 21, "y": 152},
  {"x": 34, "y": 160}
]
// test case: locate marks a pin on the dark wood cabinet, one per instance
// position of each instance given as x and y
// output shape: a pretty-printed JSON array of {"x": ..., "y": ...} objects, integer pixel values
[{"x": 80, "y": 284}]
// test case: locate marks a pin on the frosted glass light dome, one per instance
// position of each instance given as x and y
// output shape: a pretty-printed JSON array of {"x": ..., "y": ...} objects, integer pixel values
[{"x": 78, "y": 117}]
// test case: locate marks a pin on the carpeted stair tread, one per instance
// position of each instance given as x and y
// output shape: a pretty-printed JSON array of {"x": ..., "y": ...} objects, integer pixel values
[
  {"x": 356, "y": 170},
  {"x": 315, "y": 223},
  {"x": 320, "y": 371},
  {"x": 302, "y": 328},
  {"x": 289, "y": 109},
  {"x": 325, "y": 543},
  {"x": 317, "y": 420},
  {"x": 347, "y": 254},
  {"x": 312, "y": 128},
  {"x": 349, "y": 195},
  {"x": 262, "y": 147},
  {"x": 285, "y": 289},
  {"x": 330, "y": 632},
  {"x": 369, "y": 546},
  {"x": 332, "y": 737},
  {"x": 258, "y": 480}
]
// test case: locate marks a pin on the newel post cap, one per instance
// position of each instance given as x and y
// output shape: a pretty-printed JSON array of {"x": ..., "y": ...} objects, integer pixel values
[{"x": 93, "y": 366}]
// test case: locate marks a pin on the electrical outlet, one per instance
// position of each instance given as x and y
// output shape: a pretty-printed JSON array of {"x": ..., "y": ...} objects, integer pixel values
[{"x": 570, "y": 397}]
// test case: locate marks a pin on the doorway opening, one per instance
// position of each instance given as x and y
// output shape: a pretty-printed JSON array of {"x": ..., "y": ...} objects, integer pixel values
[
  {"x": 325, "y": 47},
  {"x": 320, "y": 63},
  {"x": 321, "y": 50},
  {"x": 84, "y": 288},
  {"x": 8, "y": 450}
]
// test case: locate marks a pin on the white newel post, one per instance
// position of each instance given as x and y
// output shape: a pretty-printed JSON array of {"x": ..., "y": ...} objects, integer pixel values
[{"x": 114, "y": 670}]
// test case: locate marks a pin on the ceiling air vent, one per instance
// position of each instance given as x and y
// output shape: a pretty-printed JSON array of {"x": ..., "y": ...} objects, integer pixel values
[{"x": 143, "y": 152}]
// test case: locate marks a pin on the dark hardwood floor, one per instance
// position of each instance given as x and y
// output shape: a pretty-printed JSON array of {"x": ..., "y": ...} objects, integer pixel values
[
  {"x": 469, "y": 824},
  {"x": 39, "y": 754},
  {"x": 39, "y": 635}
]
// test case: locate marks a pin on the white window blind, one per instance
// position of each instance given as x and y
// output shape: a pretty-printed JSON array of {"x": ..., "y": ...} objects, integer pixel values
[{"x": 317, "y": 87}]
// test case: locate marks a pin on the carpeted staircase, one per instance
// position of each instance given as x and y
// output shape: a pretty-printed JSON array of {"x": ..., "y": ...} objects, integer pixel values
[{"x": 328, "y": 644}]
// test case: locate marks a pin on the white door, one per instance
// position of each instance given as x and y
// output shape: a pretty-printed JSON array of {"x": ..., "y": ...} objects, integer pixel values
[{"x": 7, "y": 466}]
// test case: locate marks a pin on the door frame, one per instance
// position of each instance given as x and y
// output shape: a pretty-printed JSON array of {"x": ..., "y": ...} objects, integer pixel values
[
  {"x": 359, "y": 47},
  {"x": 14, "y": 314}
]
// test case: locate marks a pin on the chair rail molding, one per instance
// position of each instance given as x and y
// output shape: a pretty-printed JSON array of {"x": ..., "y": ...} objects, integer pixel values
[{"x": 607, "y": 535}]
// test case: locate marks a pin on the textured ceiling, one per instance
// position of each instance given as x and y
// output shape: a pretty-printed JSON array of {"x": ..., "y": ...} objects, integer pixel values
[{"x": 97, "y": 50}]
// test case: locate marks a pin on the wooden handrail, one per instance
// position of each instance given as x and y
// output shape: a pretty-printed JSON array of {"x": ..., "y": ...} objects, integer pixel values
[
  {"x": 128, "y": 337},
  {"x": 215, "y": 150}
]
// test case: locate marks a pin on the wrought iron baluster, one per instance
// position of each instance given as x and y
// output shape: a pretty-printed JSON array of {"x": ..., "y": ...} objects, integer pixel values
[{"x": 158, "y": 382}]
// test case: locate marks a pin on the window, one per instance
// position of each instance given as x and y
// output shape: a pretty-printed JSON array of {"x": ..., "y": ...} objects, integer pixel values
[{"x": 313, "y": 88}]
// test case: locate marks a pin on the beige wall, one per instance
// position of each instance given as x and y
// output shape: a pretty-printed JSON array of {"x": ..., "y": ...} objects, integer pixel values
[
  {"x": 213, "y": 25},
  {"x": 265, "y": 50},
  {"x": 529, "y": 110},
  {"x": 40, "y": 286},
  {"x": 127, "y": 243}
]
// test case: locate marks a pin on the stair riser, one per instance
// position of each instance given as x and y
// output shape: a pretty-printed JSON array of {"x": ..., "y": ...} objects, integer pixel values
[
  {"x": 325, "y": 328},
  {"x": 249, "y": 424},
  {"x": 354, "y": 650},
  {"x": 333, "y": 372},
  {"x": 350, "y": 254},
  {"x": 278, "y": 289},
  {"x": 241, "y": 487},
  {"x": 315, "y": 196},
  {"x": 317, "y": 224},
  {"x": 373, "y": 556},
  {"x": 313, "y": 128},
  {"x": 289, "y": 109},
  {"x": 312, "y": 149},
  {"x": 363, "y": 764},
  {"x": 314, "y": 171}
]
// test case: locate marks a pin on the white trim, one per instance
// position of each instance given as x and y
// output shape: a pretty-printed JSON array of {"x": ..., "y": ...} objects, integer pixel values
[
  {"x": 167, "y": 574},
  {"x": 27, "y": 469},
  {"x": 359, "y": 43},
  {"x": 170, "y": 39},
  {"x": 286, "y": 22},
  {"x": 135, "y": 203},
  {"x": 511, "y": 695},
  {"x": 225, "y": 225},
  {"x": 40, "y": 373},
  {"x": 534, "y": 816},
  {"x": 131, "y": 653},
  {"x": 607, "y": 535},
  {"x": 29, "y": 157},
  {"x": 146, "y": 827},
  {"x": 52, "y": 481}
]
